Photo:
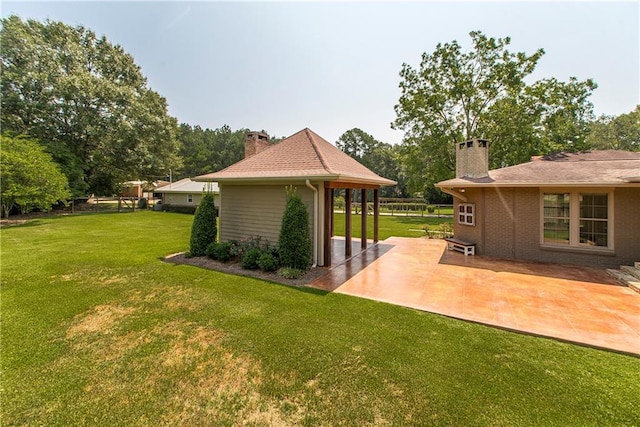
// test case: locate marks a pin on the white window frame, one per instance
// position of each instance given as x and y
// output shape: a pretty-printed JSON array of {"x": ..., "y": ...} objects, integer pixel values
[
  {"x": 574, "y": 218},
  {"x": 189, "y": 198},
  {"x": 468, "y": 213}
]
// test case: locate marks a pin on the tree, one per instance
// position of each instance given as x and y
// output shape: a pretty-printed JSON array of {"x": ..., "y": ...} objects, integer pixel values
[
  {"x": 379, "y": 157},
  {"x": 87, "y": 102},
  {"x": 616, "y": 133},
  {"x": 30, "y": 178},
  {"x": 209, "y": 150},
  {"x": 455, "y": 96},
  {"x": 204, "y": 230},
  {"x": 294, "y": 243}
]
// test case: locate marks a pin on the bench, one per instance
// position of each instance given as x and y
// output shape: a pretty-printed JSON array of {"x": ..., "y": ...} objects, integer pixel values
[{"x": 460, "y": 246}]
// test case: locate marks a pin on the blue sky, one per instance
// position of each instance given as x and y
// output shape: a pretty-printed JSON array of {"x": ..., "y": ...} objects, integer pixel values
[{"x": 333, "y": 66}]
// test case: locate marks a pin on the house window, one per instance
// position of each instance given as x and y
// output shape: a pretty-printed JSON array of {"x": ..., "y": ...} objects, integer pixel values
[
  {"x": 594, "y": 219},
  {"x": 189, "y": 198},
  {"x": 466, "y": 213},
  {"x": 556, "y": 218},
  {"x": 577, "y": 219}
]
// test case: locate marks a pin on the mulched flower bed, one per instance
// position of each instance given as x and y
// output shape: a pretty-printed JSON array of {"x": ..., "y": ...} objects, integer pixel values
[{"x": 234, "y": 267}]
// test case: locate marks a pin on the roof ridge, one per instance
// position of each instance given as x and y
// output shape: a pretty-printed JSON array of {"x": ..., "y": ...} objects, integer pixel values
[{"x": 318, "y": 153}]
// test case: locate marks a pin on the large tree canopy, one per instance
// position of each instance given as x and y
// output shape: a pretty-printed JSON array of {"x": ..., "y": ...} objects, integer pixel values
[
  {"x": 380, "y": 157},
  {"x": 209, "y": 150},
  {"x": 30, "y": 178},
  {"x": 87, "y": 102},
  {"x": 481, "y": 93},
  {"x": 616, "y": 133}
]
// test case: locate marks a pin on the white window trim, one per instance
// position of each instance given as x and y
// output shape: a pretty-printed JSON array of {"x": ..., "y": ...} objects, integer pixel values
[
  {"x": 574, "y": 219},
  {"x": 466, "y": 214},
  {"x": 189, "y": 198}
]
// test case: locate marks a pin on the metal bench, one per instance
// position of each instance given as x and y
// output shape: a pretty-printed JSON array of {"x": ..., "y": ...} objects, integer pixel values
[{"x": 458, "y": 245}]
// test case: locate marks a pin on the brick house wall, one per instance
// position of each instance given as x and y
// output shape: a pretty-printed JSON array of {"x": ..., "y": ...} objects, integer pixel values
[{"x": 507, "y": 225}]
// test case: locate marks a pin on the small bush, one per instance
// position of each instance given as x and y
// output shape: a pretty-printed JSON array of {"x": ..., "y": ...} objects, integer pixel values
[
  {"x": 447, "y": 229},
  {"x": 254, "y": 242},
  {"x": 250, "y": 258},
  {"x": 235, "y": 250},
  {"x": 224, "y": 251},
  {"x": 291, "y": 273},
  {"x": 211, "y": 250},
  {"x": 268, "y": 262},
  {"x": 431, "y": 209}
]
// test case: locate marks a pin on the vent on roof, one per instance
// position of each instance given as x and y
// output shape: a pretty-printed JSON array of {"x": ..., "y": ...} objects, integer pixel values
[{"x": 254, "y": 143}]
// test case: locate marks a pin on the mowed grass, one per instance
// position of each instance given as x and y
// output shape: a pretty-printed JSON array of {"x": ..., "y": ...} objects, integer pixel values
[
  {"x": 398, "y": 226},
  {"x": 97, "y": 330}
]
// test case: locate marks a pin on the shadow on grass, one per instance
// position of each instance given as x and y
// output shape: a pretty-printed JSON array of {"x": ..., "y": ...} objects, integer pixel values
[
  {"x": 21, "y": 224},
  {"x": 420, "y": 220},
  {"x": 26, "y": 221}
]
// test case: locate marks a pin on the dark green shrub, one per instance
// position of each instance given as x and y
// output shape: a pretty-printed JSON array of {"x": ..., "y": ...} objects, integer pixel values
[
  {"x": 254, "y": 242},
  {"x": 431, "y": 209},
  {"x": 268, "y": 262},
  {"x": 211, "y": 250},
  {"x": 235, "y": 250},
  {"x": 295, "y": 240},
  {"x": 224, "y": 251},
  {"x": 203, "y": 230},
  {"x": 250, "y": 258}
]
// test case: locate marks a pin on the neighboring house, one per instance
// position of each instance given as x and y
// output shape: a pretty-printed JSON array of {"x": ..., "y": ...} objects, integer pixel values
[
  {"x": 185, "y": 195},
  {"x": 574, "y": 208},
  {"x": 252, "y": 191},
  {"x": 134, "y": 188},
  {"x": 140, "y": 189}
]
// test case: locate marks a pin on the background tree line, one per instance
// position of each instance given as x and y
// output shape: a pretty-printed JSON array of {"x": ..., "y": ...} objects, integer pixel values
[{"x": 86, "y": 104}]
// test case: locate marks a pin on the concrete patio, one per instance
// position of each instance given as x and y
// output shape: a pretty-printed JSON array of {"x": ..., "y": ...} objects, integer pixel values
[{"x": 570, "y": 303}]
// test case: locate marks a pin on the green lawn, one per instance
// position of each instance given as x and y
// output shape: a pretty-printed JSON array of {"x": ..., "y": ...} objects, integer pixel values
[
  {"x": 96, "y": 330},
  {"x": 399, "y": 226}
]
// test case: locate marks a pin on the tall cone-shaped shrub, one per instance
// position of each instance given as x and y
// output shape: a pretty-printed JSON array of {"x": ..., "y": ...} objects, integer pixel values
[
  {"x": 204, "y": 229},
  {"x": 294, "y": 244}
]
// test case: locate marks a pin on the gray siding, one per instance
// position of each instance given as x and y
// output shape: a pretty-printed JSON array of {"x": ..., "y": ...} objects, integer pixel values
[
  {"x": 256, "y": 210},
  {"x": 508, "y": 226},
  {"x": 180, "y": 199}
]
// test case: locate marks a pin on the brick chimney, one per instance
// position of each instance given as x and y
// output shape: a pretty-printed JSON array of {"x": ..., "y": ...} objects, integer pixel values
[
  {"x": 472, "y": 159},
  {"x": 254, "y": 143}
]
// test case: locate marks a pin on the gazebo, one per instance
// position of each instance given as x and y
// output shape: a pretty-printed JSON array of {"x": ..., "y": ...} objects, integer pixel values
[{"x": 252, "y": 191}]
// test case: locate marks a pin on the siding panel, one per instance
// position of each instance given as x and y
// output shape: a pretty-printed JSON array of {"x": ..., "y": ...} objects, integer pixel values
[{"x": 249, "y": 211}]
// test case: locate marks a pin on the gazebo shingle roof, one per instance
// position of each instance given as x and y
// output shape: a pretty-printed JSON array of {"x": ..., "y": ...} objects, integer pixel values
[
  {"x": 304, "y": 155},
  {"x": 601, "y": 168}
]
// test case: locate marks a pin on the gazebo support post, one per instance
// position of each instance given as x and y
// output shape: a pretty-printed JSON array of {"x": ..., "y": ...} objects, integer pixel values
[
  {"x": 332, "y": 209},
  {"x": 363, "y": 234},
  {"x": 347, "y": 222},
  {"x": 376, "y": 213}
]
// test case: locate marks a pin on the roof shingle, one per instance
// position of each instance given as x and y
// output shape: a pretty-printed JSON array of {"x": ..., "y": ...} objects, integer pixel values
[
  {"x": 606, "y": 167},
  {"x": 303, "y": 155}
]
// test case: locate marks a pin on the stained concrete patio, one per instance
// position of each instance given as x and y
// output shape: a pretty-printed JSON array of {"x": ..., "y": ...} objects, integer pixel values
[{"x": 577, "y": 304}]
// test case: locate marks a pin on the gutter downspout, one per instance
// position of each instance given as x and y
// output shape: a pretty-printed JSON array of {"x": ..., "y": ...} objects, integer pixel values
[
  {"x": 315, "y": 222},
  {"x": 454, "y": 193}
]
